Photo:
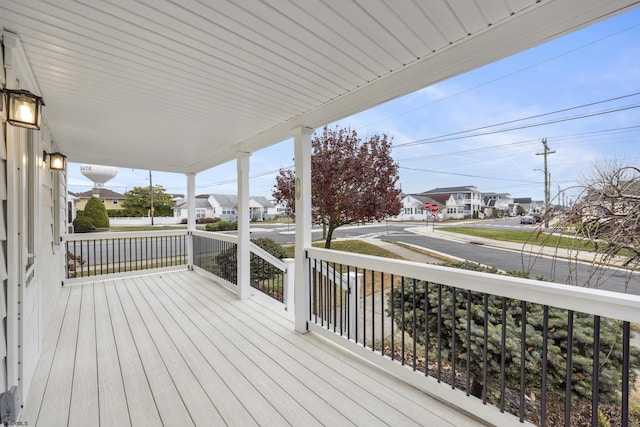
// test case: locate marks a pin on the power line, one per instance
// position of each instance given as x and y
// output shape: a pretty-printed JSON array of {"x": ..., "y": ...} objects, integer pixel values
[
  {"x": 509, "y": 74},
  {"x": 466, "y": 175},
  {"x": 460, "y": 135}
]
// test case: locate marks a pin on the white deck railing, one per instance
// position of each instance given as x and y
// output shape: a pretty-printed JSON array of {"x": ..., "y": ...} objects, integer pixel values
[
  {"x": 216, "y": 253},
  {"x": 101, "y": 254},
  {"x": 455, "y": 329}
]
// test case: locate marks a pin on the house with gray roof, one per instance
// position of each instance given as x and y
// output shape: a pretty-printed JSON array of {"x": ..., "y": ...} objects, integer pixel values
[
  {"x": 225, "y": 207},
  {"x": 465, "y": 200}
]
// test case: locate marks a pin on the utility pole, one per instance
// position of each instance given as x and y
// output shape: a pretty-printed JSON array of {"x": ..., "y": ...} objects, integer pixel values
[
  {"x": 547, "y": 181},
  {"x": 151, "y": 196}
]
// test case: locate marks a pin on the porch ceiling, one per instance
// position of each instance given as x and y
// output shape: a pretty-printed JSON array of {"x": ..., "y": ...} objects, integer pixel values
[{"x": 182, "y": 85}]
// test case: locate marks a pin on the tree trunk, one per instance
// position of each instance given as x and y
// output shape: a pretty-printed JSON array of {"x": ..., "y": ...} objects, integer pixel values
[{"x": 327, "y": 242}]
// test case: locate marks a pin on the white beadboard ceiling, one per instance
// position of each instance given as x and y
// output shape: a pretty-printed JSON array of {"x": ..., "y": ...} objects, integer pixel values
[{"x": 184, "y": 85}]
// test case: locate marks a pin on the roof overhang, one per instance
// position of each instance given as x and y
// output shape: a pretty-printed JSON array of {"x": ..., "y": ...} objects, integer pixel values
[{"x": 181, "y": 86}]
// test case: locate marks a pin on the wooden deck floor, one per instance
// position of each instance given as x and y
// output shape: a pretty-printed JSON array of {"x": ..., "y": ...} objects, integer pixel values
[{"x": 176, "y": 349}]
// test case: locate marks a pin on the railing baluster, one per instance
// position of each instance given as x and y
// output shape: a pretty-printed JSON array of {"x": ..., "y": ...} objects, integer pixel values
[
  {"x": 393, "y": 318},
  {"x": 414, "y": 324},
  {"x": 82, "y": 258},
  {"x": 426, "y": 328},
  {"x": 373, "y": 311},
  {"x": 453, "y": 337},
  {"x": 403, "y": 332},
  {"x": 468, "y": 385},
  {"x": 382, "y": 312},
  {"x": 335, "y": 297},
  {"x": 545, "y": 350},
  {"x": 626, "y": 338},
  {"x": 484, "y": 349},
  {"x": 364, "y": 308},
  {"x": 595, "y": 381},
  {"x": 347, "y": 320},
  {"x": 503, "y": 356},
  {"x": 439, "y": 373},
  {"x": 523, "y": 349},
  {"x": 569, "y": 372}
]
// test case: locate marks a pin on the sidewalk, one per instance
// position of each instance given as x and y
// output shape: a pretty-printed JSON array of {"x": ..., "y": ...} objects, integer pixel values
[{"x": 406, "y": 253}]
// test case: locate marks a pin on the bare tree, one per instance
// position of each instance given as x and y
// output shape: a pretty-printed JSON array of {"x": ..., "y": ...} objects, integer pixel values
[{"x": 605, "y": 216}]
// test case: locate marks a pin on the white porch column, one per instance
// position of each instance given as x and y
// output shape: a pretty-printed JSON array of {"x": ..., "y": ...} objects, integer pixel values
[
  {"x": 244, "y": 270},
  {"x": 191, "y": 213},
  {"x": 302, "y": 153}
]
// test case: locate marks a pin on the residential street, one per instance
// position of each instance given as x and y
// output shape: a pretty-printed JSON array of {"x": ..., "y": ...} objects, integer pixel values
[{"x": 460, "y": 246}]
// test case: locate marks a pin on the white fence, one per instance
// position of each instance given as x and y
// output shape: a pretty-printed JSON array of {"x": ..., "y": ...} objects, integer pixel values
[{"x": 142, "y": 221}]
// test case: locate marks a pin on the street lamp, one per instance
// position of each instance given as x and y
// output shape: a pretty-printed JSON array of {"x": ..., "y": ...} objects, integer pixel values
[{"x": 23, "y": 108}]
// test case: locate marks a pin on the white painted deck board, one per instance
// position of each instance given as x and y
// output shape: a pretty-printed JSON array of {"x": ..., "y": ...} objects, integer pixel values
[
  {"x": 165, "y": 393},
  {"x": 114, "y": 410},
  {"x": 83, "y": 409},
  {"x": 140, "y": 401},
  {"x": 41, "y": 376},
  {"x": 178, "y": 349},
  {"x": 331, "y": 404},
  {"x": 367, "y": 390}
]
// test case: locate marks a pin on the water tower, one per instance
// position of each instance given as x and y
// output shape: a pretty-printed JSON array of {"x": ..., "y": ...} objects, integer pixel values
[{"x": 98, "y": 174}]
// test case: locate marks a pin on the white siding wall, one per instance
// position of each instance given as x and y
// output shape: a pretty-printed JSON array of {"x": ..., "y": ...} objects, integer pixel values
[{"x": 22, "y": 333}]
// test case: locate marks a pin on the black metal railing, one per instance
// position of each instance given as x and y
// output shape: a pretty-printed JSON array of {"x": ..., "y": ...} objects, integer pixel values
[
  {"x": 267, "y": 276},
  {"x": 97, "y": 254},
  {"x": 216, "y": 254},
  {"x": 544, "y": 364}
]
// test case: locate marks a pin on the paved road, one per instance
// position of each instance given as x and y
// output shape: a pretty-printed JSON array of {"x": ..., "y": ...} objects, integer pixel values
[{"x": 583, "y": 274}]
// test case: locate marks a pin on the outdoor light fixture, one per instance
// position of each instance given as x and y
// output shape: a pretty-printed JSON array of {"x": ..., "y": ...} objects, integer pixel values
[
  {"x": 57, "y": 161},
  {"x": 23, "y": 108}
]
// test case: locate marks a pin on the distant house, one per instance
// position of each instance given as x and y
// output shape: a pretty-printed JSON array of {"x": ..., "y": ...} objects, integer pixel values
[
  {"x": 461, "y": 202},
  {"x": 111, "y": 199},
  {"x": 498, "y": 204},
  {"x": 413, "y": 208},
  {"x": 225, "y": 207}
]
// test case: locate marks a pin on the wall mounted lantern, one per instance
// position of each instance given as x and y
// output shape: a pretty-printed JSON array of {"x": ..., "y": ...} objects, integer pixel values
[
  {"x": 23, "y": 108},
  {"x": 57, "y": 161}
]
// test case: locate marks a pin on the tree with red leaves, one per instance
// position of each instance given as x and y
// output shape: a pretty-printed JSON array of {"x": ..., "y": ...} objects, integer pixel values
[{"x": 352, "y": 180}]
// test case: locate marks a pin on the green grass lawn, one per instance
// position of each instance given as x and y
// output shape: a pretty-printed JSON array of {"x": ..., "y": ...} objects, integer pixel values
[
  {"x": 519, "y": 236},
  {"x": 354, "y": 246}
]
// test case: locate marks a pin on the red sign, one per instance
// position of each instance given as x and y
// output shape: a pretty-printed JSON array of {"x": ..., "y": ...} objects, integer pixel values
[
  {"x": 427, "y": 205},
  {"x": 434, "y": 208}
]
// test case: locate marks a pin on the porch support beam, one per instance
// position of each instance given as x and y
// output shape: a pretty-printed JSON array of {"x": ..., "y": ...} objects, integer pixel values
[
  {"x": 244, "y": 271},
  {"x": 302, "y": 153},
  {"x": 191, "y": 213}
]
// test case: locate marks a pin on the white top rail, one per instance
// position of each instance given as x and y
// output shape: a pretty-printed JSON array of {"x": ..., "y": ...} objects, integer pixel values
[
  {"x": 598, "y": 302},
  {"x": 78, "y": 237},
  {"x": 278, "y": 263},
  {"x": 232, "y": 238}
]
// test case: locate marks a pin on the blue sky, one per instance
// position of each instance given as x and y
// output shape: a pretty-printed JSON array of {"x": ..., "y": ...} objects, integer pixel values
[{"x": 596, "y": 69}]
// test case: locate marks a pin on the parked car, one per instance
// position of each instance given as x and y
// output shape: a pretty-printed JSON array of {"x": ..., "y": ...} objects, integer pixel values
[
  {"x": 537, "y": 217},
  {"x": 527, "y": 219}
]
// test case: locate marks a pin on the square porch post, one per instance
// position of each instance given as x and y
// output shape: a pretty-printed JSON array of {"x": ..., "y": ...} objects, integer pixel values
[
  {"x": 244, "y": 270},
  {"x": 302, "y": 153},
  {"x": 191, "y": 214}
]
